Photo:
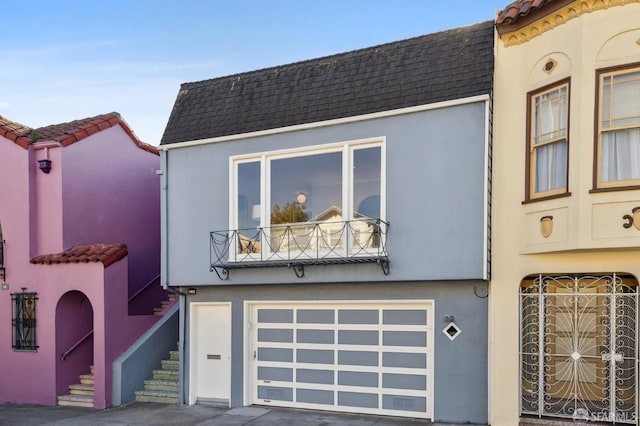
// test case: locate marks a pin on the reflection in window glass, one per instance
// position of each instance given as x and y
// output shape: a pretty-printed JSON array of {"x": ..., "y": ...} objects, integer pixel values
[
  {"x": 248, "y": 195},
  {"x": 366, "y": 182},
  {"x": 306, "y": 188}
]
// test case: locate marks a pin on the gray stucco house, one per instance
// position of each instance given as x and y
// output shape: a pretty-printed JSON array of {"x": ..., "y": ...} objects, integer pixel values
[{"x": 326, "y": 223}]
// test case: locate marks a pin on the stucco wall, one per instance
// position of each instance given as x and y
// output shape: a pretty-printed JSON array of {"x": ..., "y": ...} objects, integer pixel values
[
  {"x": 111, "y": 194},
  {"x": 460, "y": 387},
  {"x": 588, "y": 236},
  {"x": 435, "y": 188}
]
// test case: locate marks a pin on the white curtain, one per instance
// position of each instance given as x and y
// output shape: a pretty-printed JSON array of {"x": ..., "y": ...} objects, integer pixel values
[
  {"x": 620, "y": 155},
  {"x": 551, "y": 163}
]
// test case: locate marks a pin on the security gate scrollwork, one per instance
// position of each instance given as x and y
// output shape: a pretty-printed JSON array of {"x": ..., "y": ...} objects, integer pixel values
[{"x": 578, "y": 347}]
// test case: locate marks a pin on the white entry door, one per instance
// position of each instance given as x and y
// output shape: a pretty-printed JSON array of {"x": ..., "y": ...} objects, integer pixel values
[{"x": 210, "y": 352}]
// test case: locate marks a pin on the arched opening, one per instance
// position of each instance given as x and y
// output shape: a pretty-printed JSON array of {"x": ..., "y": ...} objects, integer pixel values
[
  {"x": 578, "y": 346},
  {"x": 74, "y": 339}
]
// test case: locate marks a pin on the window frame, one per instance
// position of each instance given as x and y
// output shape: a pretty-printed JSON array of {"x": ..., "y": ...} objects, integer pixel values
[
  {"x": 598, "y": 184},
  {"x": 18, "y": 341},
  {"x": 530, "y": 160},
  {"x": 346, "y": 148}
]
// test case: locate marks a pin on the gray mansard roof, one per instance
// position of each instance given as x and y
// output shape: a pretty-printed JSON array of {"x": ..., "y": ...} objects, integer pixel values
[{"x": 436, "y": 67}]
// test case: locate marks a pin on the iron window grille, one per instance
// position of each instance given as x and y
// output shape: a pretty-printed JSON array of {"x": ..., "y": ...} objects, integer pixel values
[{"x": 24, "y": 321}]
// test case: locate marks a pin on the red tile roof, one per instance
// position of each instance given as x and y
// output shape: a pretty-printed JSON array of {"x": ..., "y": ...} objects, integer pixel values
[
  {"x": 15, "y": 132},
  {"x": 68, "y": 133},
  {"x": 521, "y": 8},
  {"x": 74, "y": 131},
  {"x": 105, "y": 253}
]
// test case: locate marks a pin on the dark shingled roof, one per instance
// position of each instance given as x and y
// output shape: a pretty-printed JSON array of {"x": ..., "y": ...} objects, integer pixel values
[{"x": 432, "y": 68}]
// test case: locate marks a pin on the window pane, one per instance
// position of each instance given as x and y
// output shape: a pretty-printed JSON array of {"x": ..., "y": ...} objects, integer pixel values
[
  {"x": 248, "y": 207},
  {"x": 551, "y": 162},
  {"x": 366, "y": 182},
  {"x": 620, "y": 155},
  {"x": 248, "y": 195},
  {"x": 550, "y": 115},
  {"x": 625, "y": 108},
  {"x": 306, "y": 188}
]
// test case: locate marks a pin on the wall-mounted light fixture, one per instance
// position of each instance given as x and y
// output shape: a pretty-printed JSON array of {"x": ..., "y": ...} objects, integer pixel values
[
  {"x": 301, "y": 198},
  {"x": 45, "y": 165}
]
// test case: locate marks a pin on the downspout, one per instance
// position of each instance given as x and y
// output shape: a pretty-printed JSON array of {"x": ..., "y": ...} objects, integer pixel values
[{"x": 164, "y": 221}]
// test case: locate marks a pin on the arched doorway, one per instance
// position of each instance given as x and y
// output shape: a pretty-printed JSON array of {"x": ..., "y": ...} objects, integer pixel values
[
  {"x": 578, "y": 346},
  {"x": 74, "y": 339}
]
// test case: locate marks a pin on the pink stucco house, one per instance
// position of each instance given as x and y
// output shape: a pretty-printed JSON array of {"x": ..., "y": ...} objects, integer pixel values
[{"x": 79, "y": 254}]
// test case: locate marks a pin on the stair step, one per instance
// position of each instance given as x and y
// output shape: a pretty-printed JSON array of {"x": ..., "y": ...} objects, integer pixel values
[
  {"x": 172, "y": 297},
  {"x": 157, "y": 396},
  {"x": 157, "y": 311},
  {"x": 80, "y": 389},
  {"x": 75, "y": 400},
  {"x": 166, "y": 375},
  {"x": 86, "y": 379},
  {"x": 161, "y": 385},
  {"x": 174, "y": 355},
  {"x": 165, "y": 303},
  {"x": 168, "y": 364}
]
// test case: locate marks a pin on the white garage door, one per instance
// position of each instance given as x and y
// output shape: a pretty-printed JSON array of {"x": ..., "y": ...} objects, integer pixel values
[{"x": 374, "y": 358}]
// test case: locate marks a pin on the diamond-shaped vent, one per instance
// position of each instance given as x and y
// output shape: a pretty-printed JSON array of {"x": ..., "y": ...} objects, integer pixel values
[{"x": 452, "y": 330}]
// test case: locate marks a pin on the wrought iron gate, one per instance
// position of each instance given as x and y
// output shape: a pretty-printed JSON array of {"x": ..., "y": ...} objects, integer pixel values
[{"x": 578, "y": 347}]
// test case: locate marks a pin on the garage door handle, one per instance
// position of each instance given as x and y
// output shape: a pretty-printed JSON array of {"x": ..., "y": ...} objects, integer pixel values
[{"x": 216, "y": 356}]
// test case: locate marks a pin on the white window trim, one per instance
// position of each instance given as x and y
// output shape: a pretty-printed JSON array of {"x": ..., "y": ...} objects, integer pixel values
[{"x": 346, "y": 147}]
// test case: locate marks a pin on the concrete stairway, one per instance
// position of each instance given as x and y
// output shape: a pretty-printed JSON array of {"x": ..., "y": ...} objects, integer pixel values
[
  {"x": 164, "y": 385},
  {"x": 164, "y": 305},
  {"x": 80, "y": 394}
]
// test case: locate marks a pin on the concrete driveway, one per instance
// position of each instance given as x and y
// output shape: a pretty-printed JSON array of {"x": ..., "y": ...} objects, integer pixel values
[{"x": 147, "y": 413}]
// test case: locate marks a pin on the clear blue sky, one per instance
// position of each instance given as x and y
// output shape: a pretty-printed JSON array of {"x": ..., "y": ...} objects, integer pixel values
[{"x": 68, "y": 59}]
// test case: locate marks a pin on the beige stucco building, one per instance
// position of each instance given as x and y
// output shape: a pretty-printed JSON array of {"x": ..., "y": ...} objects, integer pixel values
[{"x": 566, "y": 233}]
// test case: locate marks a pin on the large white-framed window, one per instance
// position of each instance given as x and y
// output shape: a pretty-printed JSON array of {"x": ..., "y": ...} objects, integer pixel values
[
  {"x": 548, "y": 141},
  {"x": 319, "y": 199},
  {"x": 618, "y": 127}
]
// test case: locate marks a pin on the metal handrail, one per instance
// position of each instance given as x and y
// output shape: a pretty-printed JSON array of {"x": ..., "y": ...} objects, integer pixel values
[
  {"x": 354, "y": 241},
  {"x": 143, "y": 288},
  {"x": 75, "y": 345}
]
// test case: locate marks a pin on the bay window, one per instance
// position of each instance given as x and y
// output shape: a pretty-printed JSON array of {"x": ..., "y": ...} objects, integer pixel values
[
  {"x": 548, "y": 141},
  {"x": 618, "y": 134}
]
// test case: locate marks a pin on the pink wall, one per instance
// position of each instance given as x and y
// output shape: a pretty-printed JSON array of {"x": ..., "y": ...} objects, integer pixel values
[
  {"x": 112, "y": 194},
  {"x": 101, "y": 189}
]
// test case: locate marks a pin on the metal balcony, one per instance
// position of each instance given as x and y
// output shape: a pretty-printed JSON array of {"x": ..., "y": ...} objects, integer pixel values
[{"x": 296, "y": 245}]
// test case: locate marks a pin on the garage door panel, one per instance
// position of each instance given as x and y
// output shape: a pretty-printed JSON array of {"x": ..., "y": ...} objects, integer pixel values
[
  {"x": 275, "y": 354},
  {"x": 358, "y": 316},
  {"x": 315, "y": 396},
  {"x": 404, "y": 360},
  {"x": 404, "y": 338},
  {"x": 404, "y": 317},
  {"x": 345, "y": 357},
  {"x": 275, "y": 315},
  {"x": 316, "y": 316},
  {"x": 305, "y": 375},
  {"x": 404, "y": 403},
  {"x": 358, "y": 358}
]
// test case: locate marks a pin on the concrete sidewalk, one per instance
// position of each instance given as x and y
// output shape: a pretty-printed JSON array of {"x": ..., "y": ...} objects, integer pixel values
[{"x": 147, "y": 413}]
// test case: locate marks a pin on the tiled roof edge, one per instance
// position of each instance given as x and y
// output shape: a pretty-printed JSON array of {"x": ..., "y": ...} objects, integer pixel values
[
  {"x": 19, "y": 138},
  {"x": 107, "y": 254},
  {"x": 98, "y": 124}
]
